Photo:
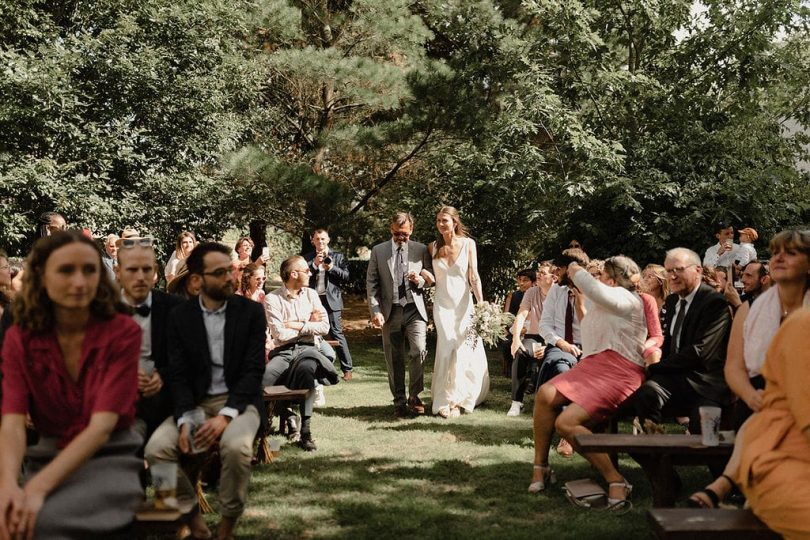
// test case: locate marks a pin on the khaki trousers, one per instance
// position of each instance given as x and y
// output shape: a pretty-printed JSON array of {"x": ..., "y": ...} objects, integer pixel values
[{"x": 235, "y": 452}]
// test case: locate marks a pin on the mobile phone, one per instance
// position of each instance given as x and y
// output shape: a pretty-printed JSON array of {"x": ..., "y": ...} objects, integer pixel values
[{"x": 265, "y": 253}]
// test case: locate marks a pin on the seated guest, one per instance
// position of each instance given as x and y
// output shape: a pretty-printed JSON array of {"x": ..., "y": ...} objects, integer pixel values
[
  {"x": 70, "y": 362},
  {"x": 531, "y": 347},
  {"x": 614, "y": 331},
  {"x": 755, "y": 279},
  {"x": 184, "y": 245},
  {"x": 771, "y": 457},
  {"x": 747, "y": 252},
  {"x": 559, "y": 326},
  {"x": 136, "y": 272},
  {"x": 216, "y": 359},
  {"x": 110, "y": 253},
  {"x": 725, "y": 286},
  {"x": 296, "y": 318},
  {"x": 725, "y": 251},
  {"x": 252, "y": 283},
  {"x": 755, "y": 324},
  {"x": 654, "y": 282},
  {"x": 696, "y": 325},
  {"x": 525, "y": 279}
]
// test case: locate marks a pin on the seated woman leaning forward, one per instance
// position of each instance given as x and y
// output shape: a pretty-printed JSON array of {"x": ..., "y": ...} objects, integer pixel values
[
  {"x": 70, "y": 361},
  {"x": 614, "y": 332}
]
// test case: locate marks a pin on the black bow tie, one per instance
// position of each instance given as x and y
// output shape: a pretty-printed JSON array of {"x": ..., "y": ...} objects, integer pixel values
[{"x": 143, "y": 310}]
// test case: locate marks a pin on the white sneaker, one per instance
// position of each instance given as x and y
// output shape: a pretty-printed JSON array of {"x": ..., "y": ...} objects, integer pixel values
[
  {"x": 515, "y": 409},
  {"x": 320, "y": 397}
]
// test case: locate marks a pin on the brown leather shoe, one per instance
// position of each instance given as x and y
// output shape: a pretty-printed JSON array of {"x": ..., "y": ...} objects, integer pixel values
[
  {"x": 415, "y": 405},
  {"x": 401, "y": 411},
  {"x": 565, "y": 449},
  {"x": 347, "y": 375}
]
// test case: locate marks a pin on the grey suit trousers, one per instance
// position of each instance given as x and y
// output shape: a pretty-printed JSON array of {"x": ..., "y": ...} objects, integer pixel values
[{"x": 405, "y": 325}]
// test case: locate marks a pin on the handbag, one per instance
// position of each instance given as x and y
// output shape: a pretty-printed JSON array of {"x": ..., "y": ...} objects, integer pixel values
[{"x": 586, "y": 493}]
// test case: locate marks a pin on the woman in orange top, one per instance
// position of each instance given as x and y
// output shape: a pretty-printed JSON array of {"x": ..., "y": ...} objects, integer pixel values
[{"x": 771, "y": 460}]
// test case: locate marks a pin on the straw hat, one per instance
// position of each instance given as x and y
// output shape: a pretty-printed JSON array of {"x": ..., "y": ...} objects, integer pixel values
[{"x": 178, "y": 284}]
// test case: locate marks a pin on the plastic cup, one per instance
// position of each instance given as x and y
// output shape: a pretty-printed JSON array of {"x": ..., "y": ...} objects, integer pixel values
[
  {"x": 536, "y": 348},
  {"x": 710, "y": 425},
  {"x": 164, "y": 480},
  {"x": 147, "y": 366},
  {"x": 275, "y": 447},
  {"x": 195, "y": 419}
]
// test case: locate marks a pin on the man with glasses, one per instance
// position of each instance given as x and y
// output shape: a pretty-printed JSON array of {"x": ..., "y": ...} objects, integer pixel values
[
  {"x": 216, "y": 361},
  {"x": 394, "y": 288},
  {"x": 135, "y": 273},
  {"x": 296, "y": 319},
  {"x": 696, "y": 323}
]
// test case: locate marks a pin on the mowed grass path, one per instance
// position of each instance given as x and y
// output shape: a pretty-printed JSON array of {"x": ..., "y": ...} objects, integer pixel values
[{"x": 374, "y": 476}]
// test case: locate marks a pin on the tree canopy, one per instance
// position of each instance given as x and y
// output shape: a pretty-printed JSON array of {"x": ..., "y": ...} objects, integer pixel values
[{"x": 631, "y": 125}]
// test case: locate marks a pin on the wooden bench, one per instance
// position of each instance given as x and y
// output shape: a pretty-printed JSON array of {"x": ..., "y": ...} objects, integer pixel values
[
  {"x": 152, "y": 522},
  {"x": 271, "y": 396},
  {"x": 658, "y": 455},
  {"x": 697, "y": 523}
]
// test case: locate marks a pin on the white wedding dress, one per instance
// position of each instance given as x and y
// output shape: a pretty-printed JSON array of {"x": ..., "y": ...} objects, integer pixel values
[{"x": 460, "y": 372}]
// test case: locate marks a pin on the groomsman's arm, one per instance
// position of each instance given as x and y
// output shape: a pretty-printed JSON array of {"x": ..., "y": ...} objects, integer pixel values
[{"x": 373, "y": 284}]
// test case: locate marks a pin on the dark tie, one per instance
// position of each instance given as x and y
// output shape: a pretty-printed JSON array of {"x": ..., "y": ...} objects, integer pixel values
[
  {"x": 674, "y": 345},
  {"x": 569, "y": 320},
  {"x": 403, "y": 296},
  {"x": 143, "y": 310}
]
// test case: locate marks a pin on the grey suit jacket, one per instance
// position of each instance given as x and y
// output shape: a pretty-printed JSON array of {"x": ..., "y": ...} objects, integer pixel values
[{"x": 380, "y": 277}]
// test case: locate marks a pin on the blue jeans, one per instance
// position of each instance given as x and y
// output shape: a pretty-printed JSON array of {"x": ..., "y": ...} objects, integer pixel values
[{"x": 555, "y": 362}]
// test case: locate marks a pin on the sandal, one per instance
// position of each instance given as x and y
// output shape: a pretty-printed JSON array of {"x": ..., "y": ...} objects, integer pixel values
[
  {"x": 714, "y": 498},
  {"x": 618, "y": 503},
  {"x": 547, "y": 477}
]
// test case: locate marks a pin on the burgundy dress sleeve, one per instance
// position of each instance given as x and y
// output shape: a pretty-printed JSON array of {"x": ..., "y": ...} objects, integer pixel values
[{"x": 15, "y": 385}]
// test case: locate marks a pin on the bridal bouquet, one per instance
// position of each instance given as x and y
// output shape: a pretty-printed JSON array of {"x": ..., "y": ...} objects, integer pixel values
[{"x": 489, "y": 322}]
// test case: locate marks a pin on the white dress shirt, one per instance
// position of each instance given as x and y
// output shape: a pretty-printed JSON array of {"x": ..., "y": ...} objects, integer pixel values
[
  {"x": 552, "y": 320},
  {"x": 711, "y": 258},
  {"x": 281, "y": 306}
]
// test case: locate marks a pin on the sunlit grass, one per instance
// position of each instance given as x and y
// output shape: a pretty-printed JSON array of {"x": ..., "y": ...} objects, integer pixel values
[{"x": 374, "y": 476}]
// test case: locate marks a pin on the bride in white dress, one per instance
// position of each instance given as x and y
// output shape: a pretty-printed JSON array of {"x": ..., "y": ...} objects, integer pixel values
[{"x": 460, "y": 372}]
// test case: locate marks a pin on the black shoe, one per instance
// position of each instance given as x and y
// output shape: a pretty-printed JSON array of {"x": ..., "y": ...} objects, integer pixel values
[{"x": 306, "y": 442}]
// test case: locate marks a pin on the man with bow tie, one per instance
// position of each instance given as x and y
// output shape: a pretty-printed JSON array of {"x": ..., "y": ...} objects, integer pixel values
[{"x": 135, "y": 273}]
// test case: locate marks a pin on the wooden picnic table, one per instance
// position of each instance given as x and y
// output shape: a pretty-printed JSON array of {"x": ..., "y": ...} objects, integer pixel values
[{"x": 658, "y": 455}]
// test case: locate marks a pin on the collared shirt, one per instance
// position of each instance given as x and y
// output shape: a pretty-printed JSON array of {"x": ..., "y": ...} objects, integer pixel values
[
  {"x": 533, "y": 301},
  {"x": 689, "y": 298},
  {"x": 395, "y": 288},
  {"x": 711, "y": 258},
  {"x": 146, "y": 326},
  {"x": 215, "y": 334},
  {"x": 552, "y": 319},
  {"x": 281, "y": 306},
  {"x": 321, "y": 286}
]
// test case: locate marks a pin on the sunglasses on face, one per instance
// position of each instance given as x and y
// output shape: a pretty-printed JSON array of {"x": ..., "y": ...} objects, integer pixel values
[
  {"x": 219, "y": 272},
  {"x": 129, "y": 243}
]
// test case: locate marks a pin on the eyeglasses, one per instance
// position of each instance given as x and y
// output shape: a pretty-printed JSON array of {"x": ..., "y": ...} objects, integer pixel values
[
  {"x": 5, "y": 267},
  {"x": 400, "y": 234},
  {"x": 129, "y": 243},
  {"x": 679, "y": 270},
  {"x": 574, "y": 246},
  {"x": 303, "y": 270},
  {"x": 218, "y": 273}
]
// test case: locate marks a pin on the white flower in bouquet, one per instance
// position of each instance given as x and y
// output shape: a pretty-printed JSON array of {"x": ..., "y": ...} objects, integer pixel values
[{"x": 488, "y": 323}]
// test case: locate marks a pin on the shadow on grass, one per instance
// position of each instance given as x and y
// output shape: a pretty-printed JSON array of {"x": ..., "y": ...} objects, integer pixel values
[
  {"x": 484, "y": 434},
  {"x": 447, "y": 499}
]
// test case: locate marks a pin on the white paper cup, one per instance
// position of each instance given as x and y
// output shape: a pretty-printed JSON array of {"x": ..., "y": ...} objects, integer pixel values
[
  {"x": 195, "y": 419},
  {"x": 164, "y": 480},
  {"x": 275, "y": 447},
  {"x": 710, "y": 425},
  {"x": 536, "y": 348}
]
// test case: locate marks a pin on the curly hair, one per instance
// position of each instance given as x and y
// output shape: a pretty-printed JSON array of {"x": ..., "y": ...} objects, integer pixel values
[{"x": 33, "y": 309}]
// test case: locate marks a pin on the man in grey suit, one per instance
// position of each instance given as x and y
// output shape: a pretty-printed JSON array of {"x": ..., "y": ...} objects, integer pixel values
[{"x": 394, "y": 288}]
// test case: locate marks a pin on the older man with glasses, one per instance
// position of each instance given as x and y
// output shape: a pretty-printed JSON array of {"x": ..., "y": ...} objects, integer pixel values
[{"x": 696, "y": 322}]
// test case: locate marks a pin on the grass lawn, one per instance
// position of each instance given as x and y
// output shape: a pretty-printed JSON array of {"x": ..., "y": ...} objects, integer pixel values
[{"x": 374, "y": 476}]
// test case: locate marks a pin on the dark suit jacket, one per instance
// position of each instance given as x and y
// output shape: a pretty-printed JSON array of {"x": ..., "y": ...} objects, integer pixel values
[
  {"x": 155, "y": 409},
  {"x": 335, "y": 277},
  {"x": 704, "y": 337},
  {"x": 190, "y": 360}
]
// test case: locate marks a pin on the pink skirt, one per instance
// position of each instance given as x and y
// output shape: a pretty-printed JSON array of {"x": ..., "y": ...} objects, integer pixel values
[{"x": 599, "y": 383}]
